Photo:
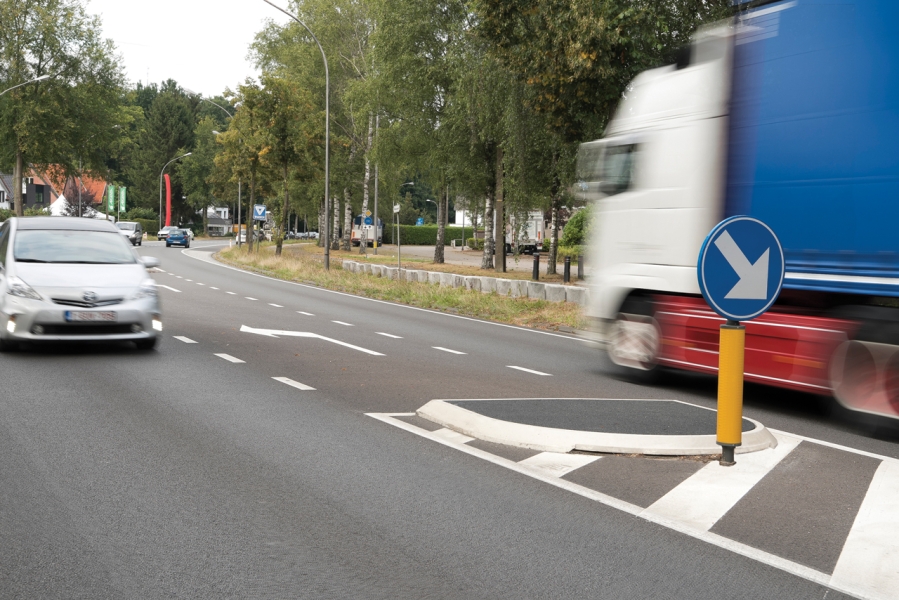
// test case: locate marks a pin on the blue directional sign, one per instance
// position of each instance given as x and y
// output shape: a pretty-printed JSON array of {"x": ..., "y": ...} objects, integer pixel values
[
  {"x": 368, "y": 220},
  {"x": 259, "y": 212},
  {"x": 420, "y": 221},
  {"x": 741, "y": 268}
]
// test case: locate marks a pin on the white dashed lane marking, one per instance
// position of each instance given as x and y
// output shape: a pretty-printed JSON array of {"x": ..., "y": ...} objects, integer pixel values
[
  {"x": 305, "y": 313},
  {"x": 275, "y": 305},
  {"x": 186, "y": 340},
  {"x": 390, "y": 335},
  {"x": 230, "y": 358},
  {"x": 213, "y": 288},
  {"x": 248, "y": 298},
  {"x": 167, "y": 287},
  {"x": 342, "y": 323},
  {"x": 296, "y": 384},
  {"x": 530, "y": 371},
  {"x": 232, "y": 293},
  {"x": 442, "y": 349},
  {"x": 198, "y": 283}
]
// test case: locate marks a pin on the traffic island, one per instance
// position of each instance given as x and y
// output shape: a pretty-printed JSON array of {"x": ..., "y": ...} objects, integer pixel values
[{"x": 614, "y": 426}]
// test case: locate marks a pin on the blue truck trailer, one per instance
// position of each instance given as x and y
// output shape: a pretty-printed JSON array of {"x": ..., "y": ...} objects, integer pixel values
[{"x": 788, "y": 113}]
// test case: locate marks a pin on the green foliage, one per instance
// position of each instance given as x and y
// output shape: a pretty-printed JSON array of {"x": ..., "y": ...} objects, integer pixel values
[
  {"x": 577, "y": 229},
  {"x": 475, "y": 244},
  {"x": 5, "y": 214},
  {"x": 138, "y": 214},
  {"x": 423, "y": 235}
]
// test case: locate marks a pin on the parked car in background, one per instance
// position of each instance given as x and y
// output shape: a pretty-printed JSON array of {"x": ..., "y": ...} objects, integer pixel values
[
  {"x": 242, "y": 238},
  {"x": 132, "y": 231},
  {"x": 164, "y": 232},
  {"x": 178, "y": 237},
  {"x": 74, "y": 280}
]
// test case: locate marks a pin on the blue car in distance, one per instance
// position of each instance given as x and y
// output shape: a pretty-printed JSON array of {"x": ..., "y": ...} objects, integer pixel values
[{"x": 178, "y": 237}]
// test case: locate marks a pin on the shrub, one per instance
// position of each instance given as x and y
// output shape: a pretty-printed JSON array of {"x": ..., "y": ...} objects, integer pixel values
[
  {"x": 475, "y": 244},
  {"x": 5, "y": 214},
  {"x": 421, "y": 235},
  {"x": 577, "y": 229}
]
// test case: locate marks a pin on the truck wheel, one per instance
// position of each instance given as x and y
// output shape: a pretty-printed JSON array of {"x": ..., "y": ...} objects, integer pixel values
[{"x": 635, "y": 340}]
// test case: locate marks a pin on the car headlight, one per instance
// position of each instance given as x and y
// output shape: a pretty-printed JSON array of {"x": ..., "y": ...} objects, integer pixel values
[
  {"x": 17, "y": 287},
  {"x": 146, "y": 290}
]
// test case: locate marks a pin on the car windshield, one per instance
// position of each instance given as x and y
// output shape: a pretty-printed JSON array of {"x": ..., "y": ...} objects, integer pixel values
[
  {"x": 127, "y": 226},
  {"x": 65, "y": 246}
]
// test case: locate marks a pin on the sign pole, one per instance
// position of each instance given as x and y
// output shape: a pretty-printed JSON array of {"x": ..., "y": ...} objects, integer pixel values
[{"x": 730, "y": 390}]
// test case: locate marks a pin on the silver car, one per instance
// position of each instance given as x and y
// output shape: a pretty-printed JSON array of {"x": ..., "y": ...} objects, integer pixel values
[{"x": 71, "y": 279}]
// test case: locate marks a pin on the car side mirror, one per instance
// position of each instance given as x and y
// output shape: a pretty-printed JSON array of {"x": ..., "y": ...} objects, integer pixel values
[{"x": 150, "y": 262}]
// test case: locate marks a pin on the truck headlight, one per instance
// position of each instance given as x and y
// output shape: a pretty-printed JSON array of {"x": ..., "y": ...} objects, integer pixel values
[{"x": 17, "y": 287}]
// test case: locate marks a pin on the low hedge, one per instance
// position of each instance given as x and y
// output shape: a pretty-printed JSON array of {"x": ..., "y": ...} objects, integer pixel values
[
  {"x": 475, "y": 244},
  {"x": 421, "y": 235}
]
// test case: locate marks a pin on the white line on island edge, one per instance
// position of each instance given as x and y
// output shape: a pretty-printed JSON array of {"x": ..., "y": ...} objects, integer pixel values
[
  {"x": 447, "y": 350},
  {"x": 530, "y": 371},
  {"x": 390, "y": 335},
  {"x": 296, "y": 384},
  {"x": 230, "y": 358},
  {"x": 186, "y": 340}
]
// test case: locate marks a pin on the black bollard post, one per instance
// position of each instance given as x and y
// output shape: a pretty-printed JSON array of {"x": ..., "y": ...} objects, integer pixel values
[
  {"x": 536, "y": 274},
  {"x": 566, "y": 274},
  {"x": 580, "y": 266}
]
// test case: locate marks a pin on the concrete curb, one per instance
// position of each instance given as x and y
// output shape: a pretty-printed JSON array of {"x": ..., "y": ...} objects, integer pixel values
[{"x": 546, "y": 439}]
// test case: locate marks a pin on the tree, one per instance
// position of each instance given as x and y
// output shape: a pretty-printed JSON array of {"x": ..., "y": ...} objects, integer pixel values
[
  {"x": 49, "y": 122},
  {"x": 196, "y": 170}
]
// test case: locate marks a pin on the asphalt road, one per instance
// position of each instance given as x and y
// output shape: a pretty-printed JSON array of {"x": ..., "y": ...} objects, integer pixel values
[{"x": 180, "y": 473}]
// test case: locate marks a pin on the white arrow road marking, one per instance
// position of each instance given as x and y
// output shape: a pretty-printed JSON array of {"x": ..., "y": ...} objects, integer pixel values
[
  {"x": 296, "y": 384},
  {"x": 168, "y": 288},
  {"x": 753, "y": 284},
  {"x": 307, "y": 334}
]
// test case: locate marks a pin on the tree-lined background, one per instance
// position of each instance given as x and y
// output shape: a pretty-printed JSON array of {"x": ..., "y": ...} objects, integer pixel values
[{"x": 453, "y": 104}]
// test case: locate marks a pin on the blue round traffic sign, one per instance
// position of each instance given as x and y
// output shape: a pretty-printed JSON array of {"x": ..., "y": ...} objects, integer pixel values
[
  {"x": 368, "y": 220},
  {"x": 740, "y": 268}
]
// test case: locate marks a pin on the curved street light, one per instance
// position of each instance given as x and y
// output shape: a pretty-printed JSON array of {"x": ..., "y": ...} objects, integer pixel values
[
  {"x": 327, "y": 130},
  {"x": 41, "y": 78},
  {"x": 160, "y": 183}
]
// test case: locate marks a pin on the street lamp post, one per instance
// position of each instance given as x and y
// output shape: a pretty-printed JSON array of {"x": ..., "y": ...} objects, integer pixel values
[
  {"x": 160, "y": 183},
  {"x": 327, "y": 126},
  {"x": 41, "y": 78}
]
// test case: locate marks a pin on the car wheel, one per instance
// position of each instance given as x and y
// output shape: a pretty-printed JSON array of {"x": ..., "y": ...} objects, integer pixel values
[
  {"x": 168, "y": 245},
  {"x": 187, "y": 245},
  {"x": 140, "y": 243},
  {"x": 147, "y": 344}
]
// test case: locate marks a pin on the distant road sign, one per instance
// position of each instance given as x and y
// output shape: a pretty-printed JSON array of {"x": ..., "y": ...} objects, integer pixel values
[
  {"x": 259, "y": 212},
  {"x": 741, "y": 268},
  {"x": 420, "y": 221},
  {"x": 368, "y": 213},
  {"x": 369, "y": 220},
  {"x": 396, "y": 208}
]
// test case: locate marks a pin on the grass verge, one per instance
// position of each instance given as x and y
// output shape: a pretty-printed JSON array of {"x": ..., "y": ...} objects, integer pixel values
[{"x": 308, "y": 268}]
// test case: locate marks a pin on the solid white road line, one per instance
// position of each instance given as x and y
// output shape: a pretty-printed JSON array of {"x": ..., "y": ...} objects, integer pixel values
[
  {"x": 390, "y": 335},
  {"x": 342, "y": 323},
  {"x": 452, "y": 436},
  {"x": 442, "y": 349},
  {"x": 706, "y": 496},
  {"x": 292, "y": 383},
  {"x": 530, "y": 371},
  {"x": 557, "y": 464},
  {"x": 230, "y": 358},
  {"x": 871, "y": 551},
  {"x": 186, "y": 340},
  {"x": 275, "y": 305},
  {"x": 305, "y": 313},
  {"x": 168, "y": 288},
  {"x": 248, "y": 298}
]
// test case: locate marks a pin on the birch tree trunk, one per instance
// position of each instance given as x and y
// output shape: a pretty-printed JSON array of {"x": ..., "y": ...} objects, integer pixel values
[
  {"x": 363, "y": 235},
  {"x": 335, "y": 234},
  {"x": 347, "y": 220},
  {"x": 499, "y": 238},
  {"x": 442, "y": 204},
  {"x": 487, "y": 260},
  {"x": 322, "y": 224},
  {"x": 251, "y": 223},
  {"x": 285, "y": 215}
]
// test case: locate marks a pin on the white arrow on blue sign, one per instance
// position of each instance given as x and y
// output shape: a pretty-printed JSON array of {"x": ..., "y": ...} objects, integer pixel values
[
  {"x": 741, "y": 268},
  {"x": 259, "y": 212}
]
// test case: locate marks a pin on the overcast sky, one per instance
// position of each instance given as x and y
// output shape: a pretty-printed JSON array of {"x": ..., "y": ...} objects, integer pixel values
[{"x": 201, "y": 44}]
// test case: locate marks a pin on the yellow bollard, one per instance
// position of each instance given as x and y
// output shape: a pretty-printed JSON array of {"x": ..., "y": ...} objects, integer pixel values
[{"x": 730, "y": 390}]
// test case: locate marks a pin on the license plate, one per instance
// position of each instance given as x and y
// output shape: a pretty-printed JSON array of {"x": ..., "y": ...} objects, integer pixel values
[{"x": 75, "y": 316}]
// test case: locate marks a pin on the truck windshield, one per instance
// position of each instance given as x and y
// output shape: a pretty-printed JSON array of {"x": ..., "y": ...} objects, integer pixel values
[{"x": 618, "y": 168}]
